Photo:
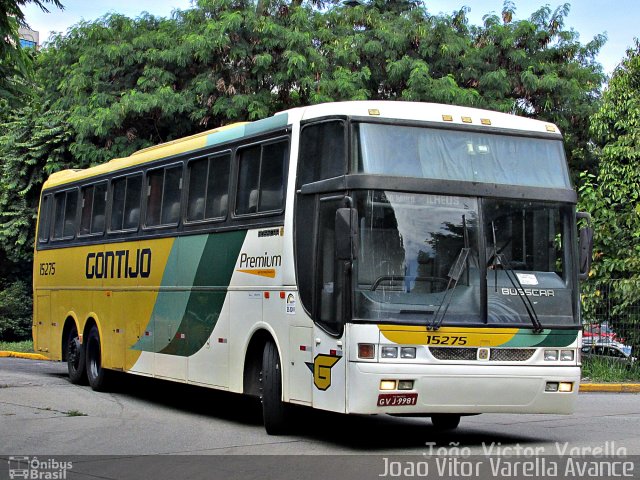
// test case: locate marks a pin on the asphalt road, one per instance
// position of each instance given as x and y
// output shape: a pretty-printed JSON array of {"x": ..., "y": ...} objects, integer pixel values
[{"x": 41, "y": 413}]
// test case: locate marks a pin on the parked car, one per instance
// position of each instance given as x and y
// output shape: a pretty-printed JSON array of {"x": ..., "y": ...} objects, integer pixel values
[
  {"x": 612, "y": 351},
  {"x": 599, "y": 332}
]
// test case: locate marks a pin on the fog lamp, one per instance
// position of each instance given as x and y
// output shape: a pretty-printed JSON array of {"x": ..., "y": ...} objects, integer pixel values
[{"x": 387, "y": 384}]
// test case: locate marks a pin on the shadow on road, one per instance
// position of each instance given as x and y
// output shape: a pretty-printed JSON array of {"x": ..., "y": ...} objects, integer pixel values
[{"x": 368, "y": 433}]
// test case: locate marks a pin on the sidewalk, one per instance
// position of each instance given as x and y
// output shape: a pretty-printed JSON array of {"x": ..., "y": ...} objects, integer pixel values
[{"x": 584, "y": 387}]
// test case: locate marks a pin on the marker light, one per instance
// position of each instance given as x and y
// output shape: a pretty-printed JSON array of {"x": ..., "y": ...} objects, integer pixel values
[
  {"x": 389, "y": 352},
  {"x": 550, "y": 355},
  {"x": 567, "y": 355},
  {"x": 387, "y": 384},
  {"x": 366, "y": 350}
]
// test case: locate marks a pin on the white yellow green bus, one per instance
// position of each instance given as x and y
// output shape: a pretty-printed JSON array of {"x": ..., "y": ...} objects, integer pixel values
[{"x": 357, "y": 257}]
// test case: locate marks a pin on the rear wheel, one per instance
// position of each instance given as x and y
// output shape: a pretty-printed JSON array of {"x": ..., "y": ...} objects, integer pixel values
[
  {"x": 274, "y": 410},
  {"x": 445, "y": 421},
  {"x": 74, "y": 353},
  {"x": 98, "y": 377}
]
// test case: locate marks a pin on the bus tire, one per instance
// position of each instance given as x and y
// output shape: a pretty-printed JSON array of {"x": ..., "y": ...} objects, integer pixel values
[
  {"x": 273, "y": 408},
  {"x": 445, "y": 421},
  {"x": 74, "y": 353},
  {"x": 98, "y": 377}
]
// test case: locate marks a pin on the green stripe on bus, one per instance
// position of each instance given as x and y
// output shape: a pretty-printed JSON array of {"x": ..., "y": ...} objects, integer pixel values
[
  {"x": 548, "y": 338},
  {"x": 203, "y": 308}
]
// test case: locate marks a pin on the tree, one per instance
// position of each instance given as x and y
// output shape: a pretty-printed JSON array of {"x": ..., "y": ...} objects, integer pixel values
[
  {"x": 15, "y": 64},
  {"x": 612, "y": 196}
]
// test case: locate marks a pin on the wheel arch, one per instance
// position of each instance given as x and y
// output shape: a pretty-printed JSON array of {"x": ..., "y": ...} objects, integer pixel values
[
  {"x": 253, "y": 359},
  {"x": 70, "y": 321}
]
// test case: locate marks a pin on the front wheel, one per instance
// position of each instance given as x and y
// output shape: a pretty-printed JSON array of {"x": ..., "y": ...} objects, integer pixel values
[
  {"x": 445, "y": 421},
  {"x": 98, "y": 377},
  {"x": 274, "y": 410},
  {"x": 74, "y": 353}
]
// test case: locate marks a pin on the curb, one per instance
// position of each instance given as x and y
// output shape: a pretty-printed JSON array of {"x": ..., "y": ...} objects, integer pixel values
[
  {"x": 29, "y": 356},
  {"x": 610, "y": 387}
]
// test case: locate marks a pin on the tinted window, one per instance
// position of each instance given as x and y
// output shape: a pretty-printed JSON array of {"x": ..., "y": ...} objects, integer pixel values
[
  {"x": 45, "y": 219},
  {"x": 125, "y": 203},
  {"x": 65, "y": 207},
  {"x": 261, "y": 178},
  {"x": 208, "y": 185},
  {"x": 94, "y": 204},
  {"x": 164, "y": 195},
  {"x": 322, "y": 152}
]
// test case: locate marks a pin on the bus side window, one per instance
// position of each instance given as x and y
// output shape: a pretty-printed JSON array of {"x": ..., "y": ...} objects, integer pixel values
[
  {"x": 65, "y": 209},
  {"x": 93, "y": 209},
  {"x": 261, "y": 178},
  {"x": 322, "y": 152},
  {"x": 125, "y": 202},
  {"x": 208, "y": 188},
  {"x": 164, "y": 192},
  {"x": 45, "y": 219}
]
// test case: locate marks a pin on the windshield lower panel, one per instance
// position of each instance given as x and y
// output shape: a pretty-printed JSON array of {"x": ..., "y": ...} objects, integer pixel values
[{"x": 429, "y": 259}]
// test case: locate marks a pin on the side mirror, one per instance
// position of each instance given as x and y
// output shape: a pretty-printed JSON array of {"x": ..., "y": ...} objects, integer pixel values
[
  {"x": 346, "y": 228},
  {"x": 585, "y": 246}
]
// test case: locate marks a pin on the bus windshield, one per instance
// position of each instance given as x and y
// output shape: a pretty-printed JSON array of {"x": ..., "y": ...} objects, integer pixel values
[
  {"x": 420, "y": 261},
  {"x": 456, "y": 155}
]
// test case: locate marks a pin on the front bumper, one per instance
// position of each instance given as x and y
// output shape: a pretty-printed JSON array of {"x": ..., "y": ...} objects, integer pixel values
[{"x": 464, "y": 388}]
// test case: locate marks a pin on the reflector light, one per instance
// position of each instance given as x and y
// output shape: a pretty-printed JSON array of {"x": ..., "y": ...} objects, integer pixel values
[{"x": 366, "y": 350}]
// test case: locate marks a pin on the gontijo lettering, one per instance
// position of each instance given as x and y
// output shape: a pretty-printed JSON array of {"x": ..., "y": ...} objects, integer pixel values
[{"x": 119, "y": 264}]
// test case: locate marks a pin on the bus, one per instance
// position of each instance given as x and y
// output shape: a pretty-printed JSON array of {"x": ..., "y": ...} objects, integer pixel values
[{"x": 361, "y": 257}]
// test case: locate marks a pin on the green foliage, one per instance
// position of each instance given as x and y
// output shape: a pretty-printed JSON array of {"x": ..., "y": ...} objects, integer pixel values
[
  {"x": 33, "y": 144},
  {"x": 112, "y": 86},
  {"x": 612, "y": 198},
  {"x": 604, "y": 370},
  {"x": 15, "y": 312},
  {"x": 15, "y": 63},
  {"x": 24, "y": 346},
  {"x": 613, "y": 195}
]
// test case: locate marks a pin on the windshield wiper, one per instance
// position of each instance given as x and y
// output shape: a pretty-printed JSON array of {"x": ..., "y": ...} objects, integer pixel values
[
  {"x": 455, "y": 272},
  {"x": 498, "y": 259}
]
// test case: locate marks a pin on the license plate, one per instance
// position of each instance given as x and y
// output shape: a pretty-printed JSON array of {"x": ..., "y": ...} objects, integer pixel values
[{"x": 397, "y": 399}]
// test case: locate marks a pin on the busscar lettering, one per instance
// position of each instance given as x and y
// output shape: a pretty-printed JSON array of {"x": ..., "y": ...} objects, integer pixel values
[
  {"x": 118, "y": 264},
  {"x": 264, "y": 261},
  {"x": 530, "y": 292}
]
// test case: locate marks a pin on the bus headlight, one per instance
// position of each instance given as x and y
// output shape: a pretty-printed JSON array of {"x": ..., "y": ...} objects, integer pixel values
[
  {"x": 550, "y": 355},
  {"x": 567, "y": 355},
  {"x": 408, "y": 352},
  {"x": 389, "y": 352}
]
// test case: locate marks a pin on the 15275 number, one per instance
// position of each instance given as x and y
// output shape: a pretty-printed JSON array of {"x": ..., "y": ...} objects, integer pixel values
[
  {"x": 446, "y": 340},
  {"x": 47, "y": 269}
]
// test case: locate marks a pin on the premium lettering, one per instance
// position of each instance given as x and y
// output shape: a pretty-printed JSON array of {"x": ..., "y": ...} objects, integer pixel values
[
  {"x": 265, "y": 261},
  {"x": 119, "y": 264}
]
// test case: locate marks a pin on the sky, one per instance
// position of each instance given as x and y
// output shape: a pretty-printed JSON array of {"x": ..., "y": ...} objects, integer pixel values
[{"x": 618, "y": 19}]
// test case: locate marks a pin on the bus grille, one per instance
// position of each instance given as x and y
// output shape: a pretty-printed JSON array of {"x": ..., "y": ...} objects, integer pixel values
[
  {"x": 511, "y": 354},
  {"x": 454, "y": 353},
  {"x": 496, "y": 355}
]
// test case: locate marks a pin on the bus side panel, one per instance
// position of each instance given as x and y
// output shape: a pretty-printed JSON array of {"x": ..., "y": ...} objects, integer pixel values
[
  {"x": 41, "y": 322},
  {"x": 210, "y": 365},
  {"x": 246, "y": 311}
]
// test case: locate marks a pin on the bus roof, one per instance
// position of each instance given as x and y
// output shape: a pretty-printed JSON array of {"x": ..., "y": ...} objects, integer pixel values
[{"x": 412, "y": 111}]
